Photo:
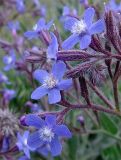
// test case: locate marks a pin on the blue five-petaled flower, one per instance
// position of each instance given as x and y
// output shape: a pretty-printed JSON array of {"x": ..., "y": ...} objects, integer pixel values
[
  {"x": 38, "y": 27},
  {"x": 52, "y": 83},
  {"x": 22, "y": 144},
  {"x": 47, "y": 133},
  {"x": 82, "y": 30},
  {"x": 9, "y": 60}
]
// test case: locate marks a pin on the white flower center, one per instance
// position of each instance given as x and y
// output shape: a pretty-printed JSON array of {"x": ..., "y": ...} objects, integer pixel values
[
  {"x": 35, "y": 27},
  {"x": 50, "y": 82},
  {"x": 25, "y": 142},
  {"x": 79, "y": 27},
  {"x": 9, "y": 60},
  {"x": 46, "y": 134}
]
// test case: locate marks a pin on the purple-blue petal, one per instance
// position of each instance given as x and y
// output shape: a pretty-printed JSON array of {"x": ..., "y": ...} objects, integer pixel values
[
  {"x": 44, "y": 150},
  {"x": 40, "y": 75},
  {"x": 62, "y": 130},
  {"x": 54, "y": 96},
  {"x": 39, "y": 93},
  {"x": 66, "y": 10},
  {"x": 27, "y": 152},
  {"x": 55, "y": 146},
  {"x": 19, "y": 137},
  {"x": 97, "y": 27},
  {"x": 50, "y": 120},
  {"x": 31, "y": 34},
  {"x": 34, "y": 140},
  {"x": 8, "y": 67},
  {"x": 88, "y": 16},
  {"x": 65, "y": 84},
  {"x": 41, "y": 24},
  {"x": 85, "y": 41},
  {"x": 59, "y": 69},
  {"x": 14, "y": 25},
  {"x": 20, "y": 6},
  {"x": 52, "y": 48},
  {"x": 69, "y": 23},
  {"x": 19, "y": 142},
  {"x": 70, "y": 42},
  {"x": 34, "y": 120},
  {"x": 49, "y": 24},
  {"x": 26, "y": 134}
]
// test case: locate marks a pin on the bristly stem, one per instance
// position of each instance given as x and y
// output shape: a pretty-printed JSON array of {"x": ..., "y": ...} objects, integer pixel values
[
  {"x": 100, "y": 95},
  {"x": 115, "y": 91},
  {"x": 117, "y": 74},
  {"x": 93, "y": 107}
]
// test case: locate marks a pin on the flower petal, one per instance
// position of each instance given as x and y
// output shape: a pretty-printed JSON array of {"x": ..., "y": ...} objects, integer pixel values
[
  {"x": 39, "y": 93},
  {"x": 50, "y": 120},
  {"x": 27, "y": 152},
  {"x": 59, "y": 69},
  {"x": 31, "y": 34},
  {"x": 41, "y": 24},
  {"x": 25, "y": 135},
  {"x": 40, "y": 75},
  {"x": 65, "y": 84},
  {"x": 62, "y": 130},
  {"x": 33, "y": 120},
  {"x": 89, "y": 15},
  {"x": 52, "y": 48},
  {"x": 70, "y": 42},
  {"x": 54, "y": 96},
  {"x": 49, "y": 24},
  {"x": 19, "y": 137},
  {"x": 55, "y": 146},
  {"x": 97, "y": 27},
  {"x": 69, "y": 23},
  {"x": 34, "y": 140},
  {"x": 85, "y": 41}
]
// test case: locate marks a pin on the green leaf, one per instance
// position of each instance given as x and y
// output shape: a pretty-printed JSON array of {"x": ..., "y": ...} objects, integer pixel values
[
  {"x": 108, "y": 124},
  {"x": 112, "y": 153},
  {"x": 73, "y": 146}
]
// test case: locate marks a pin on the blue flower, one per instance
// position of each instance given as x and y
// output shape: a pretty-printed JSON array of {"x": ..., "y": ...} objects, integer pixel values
[
  {"x": 43, "y": 10},
  {"x": 82, "y": 30},
  {"x": 113, "y": 5},
  {"x": 9, "y": 60},
  {"x": 13, "y": 25},
  {"x": 48, "y": 133},
  {"x": 39, "y": 26},
  {"x": 40, "y": 7},
  {"x": 8, "y": 94},
  {"x": 85, "y": 2},
  {"x": 52, "y": 83},
  {"x": 22, "y": 143},
  {"x": 3, "y": 78},
  {"x": 68, "y": 12},
  {"x": 20, "y": 6},
  {"x": 34, "y": 107},
  {"x": 52, "y": 48}
]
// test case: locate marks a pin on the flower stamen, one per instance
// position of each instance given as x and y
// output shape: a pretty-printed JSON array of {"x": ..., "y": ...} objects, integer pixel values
[{"x": 79, "y": 27}]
